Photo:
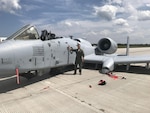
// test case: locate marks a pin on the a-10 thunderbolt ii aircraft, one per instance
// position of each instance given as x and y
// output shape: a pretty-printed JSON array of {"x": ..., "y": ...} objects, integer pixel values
[{"x": 27, "y": 54}]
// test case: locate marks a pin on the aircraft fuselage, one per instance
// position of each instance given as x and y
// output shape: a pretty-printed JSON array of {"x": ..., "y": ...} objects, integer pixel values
[{"x": 28, "y": 55}]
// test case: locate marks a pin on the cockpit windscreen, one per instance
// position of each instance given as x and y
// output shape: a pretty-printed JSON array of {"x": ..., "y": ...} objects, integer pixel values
[
  {"x": 29, "y": 34},
  {"x": 26, "y": 33}
]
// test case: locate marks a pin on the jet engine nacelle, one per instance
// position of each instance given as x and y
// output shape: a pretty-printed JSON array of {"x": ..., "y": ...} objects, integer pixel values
[
  {"x": 108, "y": 65},
  {"x": 106, "y": 45}
]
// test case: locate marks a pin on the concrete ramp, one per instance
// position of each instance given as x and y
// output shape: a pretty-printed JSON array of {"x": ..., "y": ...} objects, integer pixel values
[{"x": 67, "y": 93}]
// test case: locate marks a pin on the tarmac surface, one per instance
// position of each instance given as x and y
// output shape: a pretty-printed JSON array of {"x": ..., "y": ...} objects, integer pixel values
[{"x": 68, "y": 93}]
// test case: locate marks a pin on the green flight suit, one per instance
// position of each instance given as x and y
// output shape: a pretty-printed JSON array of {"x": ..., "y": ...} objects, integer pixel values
[{"x": 78, "y": 60}]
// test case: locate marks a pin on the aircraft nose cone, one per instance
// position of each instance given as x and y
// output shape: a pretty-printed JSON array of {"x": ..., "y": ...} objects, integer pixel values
[{"x": 7, "y": 64}]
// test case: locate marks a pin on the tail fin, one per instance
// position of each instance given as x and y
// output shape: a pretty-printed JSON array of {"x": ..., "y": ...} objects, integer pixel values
[
  {"x": 128, "y": 46},
  {"x": 127, "y": 52}
]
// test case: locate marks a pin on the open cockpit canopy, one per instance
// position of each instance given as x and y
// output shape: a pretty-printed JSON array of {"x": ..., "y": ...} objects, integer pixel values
[{"x": 27, "y": 32}]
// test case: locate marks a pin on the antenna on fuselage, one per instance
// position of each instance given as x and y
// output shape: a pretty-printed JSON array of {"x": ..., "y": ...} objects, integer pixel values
[{"x": 71, "y": 37}]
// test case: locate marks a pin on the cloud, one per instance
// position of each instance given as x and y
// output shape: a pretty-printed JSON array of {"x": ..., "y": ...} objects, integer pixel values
[
  {"x": 69, "y": 24},
  {"x": 69, "y": 17},
  {"x": 148, "y": 5},
  {"x": 124, "y": 30},
  {"x": 105, "y": 32},
  {"x": 107, "y": 12},
  {"x": 121, "y": 22},
  {"x": 31, "y": 7},
  {"x": 9, "y": 6},
  {"x": 91, "y": 33},
  {"x": 130, "y": 9},
  {"x": 144, "y": 15},
  {"x": 117, "y": 2}
]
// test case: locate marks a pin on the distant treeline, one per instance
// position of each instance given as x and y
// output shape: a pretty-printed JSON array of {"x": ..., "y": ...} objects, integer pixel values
[{"x": 131, "y": 45}]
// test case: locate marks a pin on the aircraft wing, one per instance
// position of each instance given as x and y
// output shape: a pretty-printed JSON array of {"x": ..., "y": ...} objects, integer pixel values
[
  {"x": 117, "y": 59},
  {"x": 108, "y": 61},
  {"x": 92, "y": 58},
  {"x": 131, "y": 59}
]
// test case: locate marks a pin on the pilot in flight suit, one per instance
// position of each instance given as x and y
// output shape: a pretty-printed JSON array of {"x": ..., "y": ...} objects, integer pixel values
[{"x": 79, "y": 58}]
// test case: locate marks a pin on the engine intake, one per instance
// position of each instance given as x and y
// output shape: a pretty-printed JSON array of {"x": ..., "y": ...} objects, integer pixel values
[{"x": 106, "y": 45}]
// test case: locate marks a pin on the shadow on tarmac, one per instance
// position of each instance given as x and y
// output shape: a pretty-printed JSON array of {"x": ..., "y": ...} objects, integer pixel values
[
  {"x": 121, "y": 68},
  {"x": 10, "y": 84},
  {"x": 133, "y": 69}
]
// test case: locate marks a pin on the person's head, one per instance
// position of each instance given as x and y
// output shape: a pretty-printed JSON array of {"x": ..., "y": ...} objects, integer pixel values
[{"x": 78, "y": 45}]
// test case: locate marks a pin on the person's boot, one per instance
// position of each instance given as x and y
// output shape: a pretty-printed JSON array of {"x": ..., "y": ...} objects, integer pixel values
[
  {"x": 74, "y": 73},
  {"x": 80, "y": 73}
]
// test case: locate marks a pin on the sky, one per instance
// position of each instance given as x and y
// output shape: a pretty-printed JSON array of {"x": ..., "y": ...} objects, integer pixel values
[{"x": 88, "y": 19}]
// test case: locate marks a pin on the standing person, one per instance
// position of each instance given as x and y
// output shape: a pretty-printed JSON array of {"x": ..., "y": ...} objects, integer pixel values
[{"x": 79, "y": 58}]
